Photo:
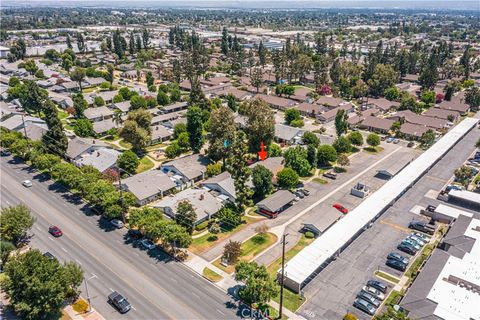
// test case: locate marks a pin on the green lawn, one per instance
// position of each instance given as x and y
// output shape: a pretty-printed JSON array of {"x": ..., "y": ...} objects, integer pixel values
[
  {"x": 291, "y": 300},
  {"x": 125, "y": 144},
  {"x": 424, "y": 254},
  {"x": 62, "y": 114},
  {"x": 387, "y": 276},
  {"x": 373, "y": 150},
  {"x": 211, "y": 275},
  {"x": 320, "y": 180},
  {"x": 393, "y": 298},
  {"x": 250, "y": 249},
  {"x": 145, "y": 164}
]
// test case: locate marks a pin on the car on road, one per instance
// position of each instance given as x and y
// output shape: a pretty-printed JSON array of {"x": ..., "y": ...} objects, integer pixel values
[
  {"x": 412, "y": 243},
  {"x": 369, "y": 298},
  {"x": 330, "y": 174},
  {"x": 376, "y": 293},
  {"x": 117, "y": 223},
  {"x": 407, "y": 248},
  {"x": 5, "y": 153},
  {"x": 49, "y": 256},
  {"x": 119, "y": 302},
  {"x": 366, "y": 307},
  {"x": 421, "y": 226},
  {"x": 27, "y": 183},
  {"x": 55, "y": 231},
  {"x": 398, "y": 256},
  {"x": 379, "y": 285},
  {"x": 147, "y": 244},
  {"x": 396, "y": 264},
  {"x": 340, "y": 208},
  {"x": 135, "y": 233}
]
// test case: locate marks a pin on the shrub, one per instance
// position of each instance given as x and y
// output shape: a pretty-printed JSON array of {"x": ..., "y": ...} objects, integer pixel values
[
  {"x": 297, "y": 123},
  {"x": 309, "y": 235},
  {"x": 349, "y": 316},
  {"x": 202, "y": 226},
  {"x": 80, "y": 306},
  {"x": 339, "y": 169}
]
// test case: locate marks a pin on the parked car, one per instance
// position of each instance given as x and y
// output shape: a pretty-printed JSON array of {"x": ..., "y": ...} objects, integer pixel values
[
  {"x": 55, "y": 231},
  {"x": 395, "y": 264},
  {"x": 117, "y": 223},
  {"x": 5, "y": 153},
  {"x": 135, "y": 234},
  {"x": 119, "y": 302},
  {"x": 390, "y": 139},
  {"x": 147, "y": 244},
  {"x": 304, "y": 191},
  {"x": 412, "y": 243},
  {"x": 379, "y": 285},
  {"x": 27, "y": 183},
  {"x": 340, "y": 208},
  {"x": 49, "y": 256},
  {"x": 366, "y": 307},
  {"x": 330, "y": 174},
  {"x": 407, "y": 248},
  {"x": 421, "y": 236},
  {"x": 418, "y": 240},
  {"x": 430, "y": 208},
  {"x": 399, "y": 257},
  {"x": 376, "y": 293},
  {"x": 411, "y": 144},
  {"x": 300, "y": 194},
  {"x": 369, "y": 298},
  {"x": 422, "y": 226},
  {"x": 396, "y": 141},
  {"x": 453, "y": 187}
]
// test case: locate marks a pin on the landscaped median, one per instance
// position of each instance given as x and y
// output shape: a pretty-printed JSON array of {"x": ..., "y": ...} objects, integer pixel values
[
  {"x": 249, "y": 249},
  {"x": 211, "y": 275}
]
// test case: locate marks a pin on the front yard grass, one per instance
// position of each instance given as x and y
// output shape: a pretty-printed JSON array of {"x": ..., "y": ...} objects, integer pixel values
[
  {"x": 125, "y": 144},
  {"x": 201, "y": 244},
  {"x": 145, "y": 164},
  {"x": 250, "y": 249},
  {"x": 373, "y": 150},
  {"x": 423, "y": 256},
  {"x": 211, "y": 275}
]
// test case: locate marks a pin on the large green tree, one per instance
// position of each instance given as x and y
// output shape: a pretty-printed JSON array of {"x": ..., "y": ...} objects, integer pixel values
[
  {"x": 260, "y": 126},
  {"x": 15, "y": 223},
  {"x": 341, "y": 124},
  {"x": 383, "y": 77},
  {"x": 222, "y": 132},
  {"x": 259, "y": 287},
  {"x": 287, "y": 178},
  {"x": 195, "y": 128},
  {"x": 186, "y": 215},
  {"x": 262, "y": 181},
  {"x": 297, "y": 159},
  {"x": 39, "y": 286},
  {"x": 128, "y": 161},
  {"x": 55, "y": 139},
  {"x": 326, "y": 154}
]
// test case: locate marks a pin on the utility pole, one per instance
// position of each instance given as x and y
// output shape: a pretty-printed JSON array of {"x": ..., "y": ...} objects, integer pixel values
[
  {"x": 283, "y": 276},
  {"x": 121, "y": 194},
  {"x": 25, "y": 131},
  {"x": 86, "y": 289}
]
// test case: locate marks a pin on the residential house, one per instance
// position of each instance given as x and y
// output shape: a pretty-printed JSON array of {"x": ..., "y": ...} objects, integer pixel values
[
  {"x": 287, "y": 134},
  {"x": 330, "y": 115},
  {"x": 411, "y": 117},
  {"x": 79, "y": 146},
  {"x": 123, "y": 107},
  {"x": 330, "y": 102},
  {"x": 376, "y": 124},
  {"x": 204, "y": 203},
  {"x": 148, "y": 185},
  {"x": 175, "y": 107},
  {"x": 101, "y": 127},
  {"x": 95, "y": 114},
  {"x": 162, "y": 118},
  {"x": 382, "y": 104},
  {"x": 101, "y": 158},
  {"x": 276, "y": 102},
  {"x": 455, "y": 105},
  {"x": 187, "y": 170},
  {"x": 160, "y": 134},
  {"x": 311, "y": 109},
  {"x": 450, "y": 115},
  {"x": 18, "y": 121},
  {"x": 413, "y": 131}
]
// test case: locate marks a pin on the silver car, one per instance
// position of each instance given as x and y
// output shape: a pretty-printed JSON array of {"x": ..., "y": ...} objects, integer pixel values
[
  {"x": 117, "y": 223},
  {"x": 27, "y": 183}
]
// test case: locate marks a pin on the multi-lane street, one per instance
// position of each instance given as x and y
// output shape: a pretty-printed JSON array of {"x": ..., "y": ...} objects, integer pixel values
[{"x": 157, "y": 286}]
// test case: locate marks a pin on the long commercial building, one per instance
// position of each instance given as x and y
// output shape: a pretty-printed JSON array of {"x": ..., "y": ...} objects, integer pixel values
[{"x": 308, "y": 262}]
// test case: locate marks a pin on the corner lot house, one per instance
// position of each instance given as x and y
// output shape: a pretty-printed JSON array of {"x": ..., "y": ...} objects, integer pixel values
[
  {"x": 148, "y": 186},
  {"x": 187, "y": 170},
  {"x": 203, "y": 202}
]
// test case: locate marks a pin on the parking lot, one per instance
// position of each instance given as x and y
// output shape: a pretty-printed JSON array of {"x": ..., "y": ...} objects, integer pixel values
[
  {"x": 363, "y": 167},
  {"x": 331, "y": 293}
]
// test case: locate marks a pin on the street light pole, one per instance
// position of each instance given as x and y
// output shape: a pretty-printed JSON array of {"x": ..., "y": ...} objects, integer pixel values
[
  {"x": 283, "y": 276},
  {"x": 86, "y": 289},
  {"x": 121, "y": 194}
]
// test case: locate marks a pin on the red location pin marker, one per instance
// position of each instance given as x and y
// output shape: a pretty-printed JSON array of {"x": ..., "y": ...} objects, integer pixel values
[{"x": 262, "y": 153}]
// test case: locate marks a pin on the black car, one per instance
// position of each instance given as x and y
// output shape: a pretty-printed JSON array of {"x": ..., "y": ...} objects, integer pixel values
[
  {"x": 395, "y": 264},
  {"x": 379, "y": 285},
  {"x": 365, "y": 306},
  {"x": 49, "y": 256},
  {"x": 135, "y": 234},
  {"x": 398, "y": 257},
  {"x": 407, "y": 248},
  {"x": 422, "y": 226},
  {"x": 119, "y": 302}
]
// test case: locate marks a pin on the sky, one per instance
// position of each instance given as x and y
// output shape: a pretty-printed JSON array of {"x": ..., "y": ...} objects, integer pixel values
[{"x": 284, "y": 4}]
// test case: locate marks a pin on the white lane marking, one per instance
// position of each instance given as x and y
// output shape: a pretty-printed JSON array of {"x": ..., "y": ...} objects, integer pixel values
[
  {"x": 111, "y": 289},
  {"x": 94, "y": 275},
  {"x": 50, "y": 238},
  {"x": 220, "y": 312},
  {"x": 78, "y": 262},
  {"x": 134, "y": 308},
  {"x": 38, "y": 228},
  {"x": 64, "y": 249}
]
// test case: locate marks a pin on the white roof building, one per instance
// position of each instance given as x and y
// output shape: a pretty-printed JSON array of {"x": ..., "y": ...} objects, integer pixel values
[{"x": 304, "y": 265}]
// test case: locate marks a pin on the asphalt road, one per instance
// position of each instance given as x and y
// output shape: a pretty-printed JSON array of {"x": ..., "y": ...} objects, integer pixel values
[{"x": 157, "y": 286}]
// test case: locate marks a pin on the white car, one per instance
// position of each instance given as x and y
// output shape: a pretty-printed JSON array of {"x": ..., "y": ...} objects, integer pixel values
[
  {"x": 148, "y": 244},
  {"x": 27, "y": 183},
  {"x": 376, "y": 293},
  {"x": 117, "y": 223}
]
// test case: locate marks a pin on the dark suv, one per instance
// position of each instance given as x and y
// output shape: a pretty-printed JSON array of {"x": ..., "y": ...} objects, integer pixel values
[
  {"x": 119, "y": 302},
  {"x": 422, "y": 226},
  {"x": 380, "y": 286},
  {"x": 396, "y": 264}
]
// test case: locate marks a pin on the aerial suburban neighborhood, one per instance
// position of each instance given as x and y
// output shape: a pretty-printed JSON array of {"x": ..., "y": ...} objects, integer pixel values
[{"x": 227, "y": 160}]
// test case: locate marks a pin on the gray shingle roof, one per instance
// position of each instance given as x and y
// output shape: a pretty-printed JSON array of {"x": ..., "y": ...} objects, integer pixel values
[
  {"x": 148, "y": 183},
  {"x": 277, "y": 200}
]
